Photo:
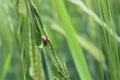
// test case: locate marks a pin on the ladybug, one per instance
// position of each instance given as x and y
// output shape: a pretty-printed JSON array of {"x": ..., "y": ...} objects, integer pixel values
[{"x": 45, "y": 40}]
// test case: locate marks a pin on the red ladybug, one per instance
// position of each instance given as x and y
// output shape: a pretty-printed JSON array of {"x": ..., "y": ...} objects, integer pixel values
[{"x": 45, "y": 40}]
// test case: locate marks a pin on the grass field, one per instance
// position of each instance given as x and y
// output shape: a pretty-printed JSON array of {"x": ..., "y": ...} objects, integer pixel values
[{"x": 59, "y": 40}]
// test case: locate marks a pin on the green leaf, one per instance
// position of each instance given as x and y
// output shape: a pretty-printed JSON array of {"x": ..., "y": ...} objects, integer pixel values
[
  {"x": 6, "y": 65},
  {"x": 76, "y": 50}
]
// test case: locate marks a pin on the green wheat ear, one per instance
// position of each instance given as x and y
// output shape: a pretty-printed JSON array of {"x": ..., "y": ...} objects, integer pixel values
[
  {"x": 34, "y": 41},
  {"x": 35, "y": 25},
  {"x": 61, "y": 69},
  {"x": 35, "y": 59}
]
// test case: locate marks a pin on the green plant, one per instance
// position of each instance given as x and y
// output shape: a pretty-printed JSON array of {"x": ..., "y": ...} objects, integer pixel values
[{"x": 59, "y": 39}]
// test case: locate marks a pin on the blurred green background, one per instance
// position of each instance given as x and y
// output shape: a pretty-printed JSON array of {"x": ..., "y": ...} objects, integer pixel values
[{"x": 97, "y": 30}]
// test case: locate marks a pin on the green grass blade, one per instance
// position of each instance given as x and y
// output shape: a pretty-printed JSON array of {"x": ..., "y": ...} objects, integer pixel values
[
  {"x": 111, "y": 45},
  {"x": 95, "y": 17},
  {"x": 6, "y": 66},
  {"x": 6, "y": 38},
  {"x": 73, "y": 43}
]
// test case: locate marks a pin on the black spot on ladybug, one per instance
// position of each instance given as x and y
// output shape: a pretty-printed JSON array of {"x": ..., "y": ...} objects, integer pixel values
[{"x": 45, "y": 40}]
